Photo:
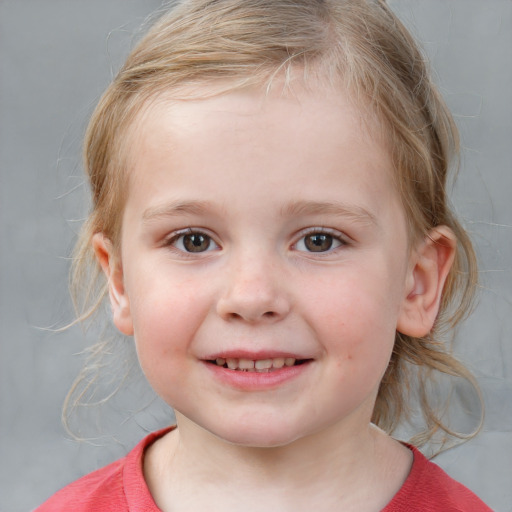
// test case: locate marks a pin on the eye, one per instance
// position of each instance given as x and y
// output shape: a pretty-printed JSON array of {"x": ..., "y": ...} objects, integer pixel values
[
  {"x": 318, "y": 241},
  {"x": 193, "y": 242}
]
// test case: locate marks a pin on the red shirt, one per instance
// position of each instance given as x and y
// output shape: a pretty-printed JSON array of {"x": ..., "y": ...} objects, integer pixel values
[{"x": 120, "y": 487}]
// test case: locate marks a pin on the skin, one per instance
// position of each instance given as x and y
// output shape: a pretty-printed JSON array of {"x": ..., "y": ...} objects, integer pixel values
[{"x": 258, "y": 177}]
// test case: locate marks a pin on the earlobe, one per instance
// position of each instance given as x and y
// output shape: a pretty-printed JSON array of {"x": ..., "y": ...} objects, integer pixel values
[
  {"x": 430, "y": 265},
  {"x": 112, "y": 268}
]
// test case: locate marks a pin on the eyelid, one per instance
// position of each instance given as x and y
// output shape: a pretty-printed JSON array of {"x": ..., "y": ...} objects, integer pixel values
[
  {"x": 171, "y": 239},
  {"x": 337, "y": 235}
]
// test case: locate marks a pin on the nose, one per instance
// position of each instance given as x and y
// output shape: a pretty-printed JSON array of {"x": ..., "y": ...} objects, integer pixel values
[{"x": 254, "y": 292}]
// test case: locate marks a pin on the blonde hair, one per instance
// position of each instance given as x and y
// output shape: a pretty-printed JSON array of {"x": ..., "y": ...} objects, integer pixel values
[{"x": 358, "y": 44}]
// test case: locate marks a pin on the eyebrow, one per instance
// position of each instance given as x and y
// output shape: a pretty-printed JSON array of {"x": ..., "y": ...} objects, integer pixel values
[
  {"x": 351, "y": 211},
  {"x": 176, "y": 208}
]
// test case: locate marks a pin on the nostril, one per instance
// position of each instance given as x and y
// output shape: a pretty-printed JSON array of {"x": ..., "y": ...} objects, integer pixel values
[
  {"x": 270, "y": 315},
  {"x": 252, "y": 308}
]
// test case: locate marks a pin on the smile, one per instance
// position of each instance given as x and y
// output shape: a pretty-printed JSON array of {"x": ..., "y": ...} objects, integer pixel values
[{"x": 257, "y": 365}]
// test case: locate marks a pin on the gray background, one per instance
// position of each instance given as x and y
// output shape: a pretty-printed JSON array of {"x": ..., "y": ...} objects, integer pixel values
[{"x": 56, "y": 57}]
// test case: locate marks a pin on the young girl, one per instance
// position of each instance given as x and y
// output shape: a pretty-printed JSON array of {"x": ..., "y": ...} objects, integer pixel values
[{"x": 269, "y": 210}]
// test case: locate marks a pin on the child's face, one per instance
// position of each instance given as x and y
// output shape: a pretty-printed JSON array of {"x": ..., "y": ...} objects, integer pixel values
[{"x": 262, "y": 229}]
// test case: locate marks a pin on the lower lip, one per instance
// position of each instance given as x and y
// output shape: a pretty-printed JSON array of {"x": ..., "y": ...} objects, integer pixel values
[{"x": 255, "y": 381}]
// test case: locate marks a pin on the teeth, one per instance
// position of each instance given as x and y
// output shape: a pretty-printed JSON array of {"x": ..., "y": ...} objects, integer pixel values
[
  {"x": 278, "y": 362},
  {"x": 245, "y": 364},
  {"x": 260, "y": 365},
  {"x": 263, "y": 364}
]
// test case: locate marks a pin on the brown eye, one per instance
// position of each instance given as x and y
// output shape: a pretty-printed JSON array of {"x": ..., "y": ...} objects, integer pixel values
[
  {"x": 318, "y": 242},
  {"x": 193, "y": 242},
  {"x": 196, "y": 242}
]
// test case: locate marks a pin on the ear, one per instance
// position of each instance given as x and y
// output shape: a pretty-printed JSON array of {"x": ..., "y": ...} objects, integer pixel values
[
  {"x": 429, "y": 267},
  {"x": 113, "y": 270}
]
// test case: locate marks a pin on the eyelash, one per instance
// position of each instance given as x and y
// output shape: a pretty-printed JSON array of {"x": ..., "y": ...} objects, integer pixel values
[
  {"x": 335, "y": 238},
  {"x": 173, "y": 240}
]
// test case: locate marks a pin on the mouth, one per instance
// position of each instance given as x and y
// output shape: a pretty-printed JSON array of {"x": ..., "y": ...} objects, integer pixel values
[{"x": 257, "y": 365}]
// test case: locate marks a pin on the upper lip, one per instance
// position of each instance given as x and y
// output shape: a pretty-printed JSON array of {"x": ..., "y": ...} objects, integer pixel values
[{"x": 253, "y": 355}]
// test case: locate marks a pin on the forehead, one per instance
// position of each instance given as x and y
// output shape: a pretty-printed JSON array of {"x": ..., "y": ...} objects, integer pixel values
[
  {"x": 258, "y": 138},
  {"x": 225, "y": 102}
]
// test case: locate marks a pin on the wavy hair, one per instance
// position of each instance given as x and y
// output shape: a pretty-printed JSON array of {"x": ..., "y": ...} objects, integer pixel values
[{"x": 356, "y": 45}]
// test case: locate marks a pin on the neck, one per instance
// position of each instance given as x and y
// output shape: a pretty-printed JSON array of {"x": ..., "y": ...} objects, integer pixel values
[
  {"x": 341, "y": 465},
  {"x": 291, "y": 461}
]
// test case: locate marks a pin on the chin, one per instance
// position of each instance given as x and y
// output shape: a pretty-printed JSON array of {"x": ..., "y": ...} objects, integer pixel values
[{"x": 259, "y": 435}]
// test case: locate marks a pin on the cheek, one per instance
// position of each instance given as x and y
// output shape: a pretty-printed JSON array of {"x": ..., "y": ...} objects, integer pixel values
[
  {"x": 356, "y": 320},
  {"x": 165, "y": 319},
  {"x": 160, "y": 302}
]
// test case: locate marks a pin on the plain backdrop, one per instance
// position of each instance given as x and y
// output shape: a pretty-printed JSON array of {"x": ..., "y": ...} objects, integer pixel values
[{"x": 56, "y": 57}]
